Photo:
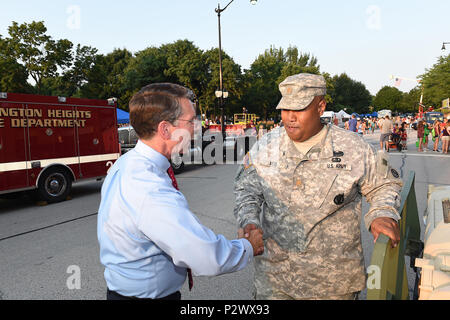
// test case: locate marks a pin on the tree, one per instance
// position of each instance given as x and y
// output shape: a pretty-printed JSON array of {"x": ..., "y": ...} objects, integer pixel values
[
  {"x": 13, "y": 76},
  {"x": 146, "y": 67},
  {"x": 72, "y": 80},
  {"x": 388, "y": 98},
  {"x": 106, "y": 77},
  {"x": 330, "y": 90},
  {"x": 268, "y": 71},
  {"x": 293, "y": 63},
  {"x": 84, "y": 60},
  {"x": 186, "y": 64},
  {"x": 263, "y": 93},
  {"x": 410, "y": 101},
  {"x": 232, "y": 82},
  {"x": 436, "y": 82},
  {"x": 349, "y": 93},
  {"x": 39, "y": 53}
]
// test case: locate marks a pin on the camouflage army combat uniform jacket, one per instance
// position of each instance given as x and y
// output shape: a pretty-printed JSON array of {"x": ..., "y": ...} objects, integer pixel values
[{"x": 309, "y": 207}]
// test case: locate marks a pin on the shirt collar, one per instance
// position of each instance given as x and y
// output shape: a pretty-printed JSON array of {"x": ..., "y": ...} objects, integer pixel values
[
  {"x": 289, "y": 150},
  {"x": 153, "y": 155}
]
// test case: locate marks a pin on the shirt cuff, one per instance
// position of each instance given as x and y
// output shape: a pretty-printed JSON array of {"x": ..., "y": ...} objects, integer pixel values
[
  {"x": 248, "y": 249},
  {"x": 389, "y": 212}
]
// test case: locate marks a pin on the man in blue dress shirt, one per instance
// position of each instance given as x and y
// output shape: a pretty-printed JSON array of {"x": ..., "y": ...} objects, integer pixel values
[{"x": 148, "y": 237}]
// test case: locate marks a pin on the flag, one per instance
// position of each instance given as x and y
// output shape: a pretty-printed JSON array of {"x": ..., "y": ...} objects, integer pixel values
[{"x": 398, "y": 82}]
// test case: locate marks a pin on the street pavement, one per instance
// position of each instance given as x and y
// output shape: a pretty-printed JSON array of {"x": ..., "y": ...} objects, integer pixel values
[{"x": 40, "y": 247}]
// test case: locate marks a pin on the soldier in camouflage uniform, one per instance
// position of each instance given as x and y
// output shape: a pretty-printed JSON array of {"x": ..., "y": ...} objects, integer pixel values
[{"x": 309, "y": 204}]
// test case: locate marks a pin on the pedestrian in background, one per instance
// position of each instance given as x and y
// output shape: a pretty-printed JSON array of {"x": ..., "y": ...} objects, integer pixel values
[
  {"x": 435, "y": 133},
  {"x": 404, "y": 136},
  {"x": 353, "y": 124},
  {"x": 386, "y": 127},
  {"x": 445, "y": 136},
  {"x": 420, "y": 134},
  {"x": 372, "y": 125},
  {"x": 360, "y": 125},
  {"x": 442, "y": 125},
  {"x": 426, "y": 133}
]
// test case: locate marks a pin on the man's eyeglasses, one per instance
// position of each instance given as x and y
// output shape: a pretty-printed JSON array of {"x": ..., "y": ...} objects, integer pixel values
[{"x": 192, "y": 122}]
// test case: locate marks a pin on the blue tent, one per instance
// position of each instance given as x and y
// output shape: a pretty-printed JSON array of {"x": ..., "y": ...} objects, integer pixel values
[
  {"x": 122, "y": 116},
  {"x": 374, "y": 114}
]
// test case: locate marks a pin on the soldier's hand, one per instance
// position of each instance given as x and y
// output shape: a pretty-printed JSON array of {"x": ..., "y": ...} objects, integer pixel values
[
  {"x": 248, "y": 228},
  {"x": 388, "y": 227},
  {"x": 255, "y": 238}
]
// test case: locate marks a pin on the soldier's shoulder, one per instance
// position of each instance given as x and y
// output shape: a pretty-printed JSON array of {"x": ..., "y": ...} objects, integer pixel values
[
  {"x": 270, "y": 140},
  {"x": 273, "y": 135},
  {"x": 265, "y": 150}
]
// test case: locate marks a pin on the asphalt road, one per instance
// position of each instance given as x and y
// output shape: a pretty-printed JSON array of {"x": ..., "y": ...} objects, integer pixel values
[{"x": 42, "y": 248}]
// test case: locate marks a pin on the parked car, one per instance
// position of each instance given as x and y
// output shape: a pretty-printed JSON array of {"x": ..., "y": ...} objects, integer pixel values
[
  {"x": 128, "y": 139},
  {"x": 430, "y": 117}
]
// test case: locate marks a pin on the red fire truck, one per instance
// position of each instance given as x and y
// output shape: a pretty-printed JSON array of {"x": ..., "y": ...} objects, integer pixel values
[{"x": 46, "y": 143}]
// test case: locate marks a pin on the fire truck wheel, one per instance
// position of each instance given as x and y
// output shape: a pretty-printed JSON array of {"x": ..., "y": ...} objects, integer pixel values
[{"x": 54, "y": 185}]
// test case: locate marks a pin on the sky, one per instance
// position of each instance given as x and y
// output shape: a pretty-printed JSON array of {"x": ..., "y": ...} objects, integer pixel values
[{"x": 368, "y": 40}]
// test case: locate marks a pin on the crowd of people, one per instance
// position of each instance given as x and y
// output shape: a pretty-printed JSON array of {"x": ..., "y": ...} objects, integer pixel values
[
  {"x": 440, "y": 132},
  {"x": 396, "y": 129}
]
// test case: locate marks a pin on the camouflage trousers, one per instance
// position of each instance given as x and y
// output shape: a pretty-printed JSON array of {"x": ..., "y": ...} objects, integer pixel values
[
  {"x": 275, "y": 294},
  {"x": 273, "y": 290}
]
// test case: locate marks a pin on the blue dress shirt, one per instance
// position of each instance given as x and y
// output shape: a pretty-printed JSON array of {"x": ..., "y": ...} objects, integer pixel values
[{"x": 148, "y": 237}]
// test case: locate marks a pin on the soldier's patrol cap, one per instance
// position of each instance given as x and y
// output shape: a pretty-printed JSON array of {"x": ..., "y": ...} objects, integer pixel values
[{"x": 298, "y": 91}]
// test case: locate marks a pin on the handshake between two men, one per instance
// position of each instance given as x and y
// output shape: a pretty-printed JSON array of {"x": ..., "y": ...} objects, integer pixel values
[{"x": 255, "y": 236}]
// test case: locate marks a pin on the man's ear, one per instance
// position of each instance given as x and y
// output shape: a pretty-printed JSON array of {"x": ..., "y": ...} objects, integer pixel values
[
  {"x": 164, "y": 130},
  {"x": 322, "y": 106}
]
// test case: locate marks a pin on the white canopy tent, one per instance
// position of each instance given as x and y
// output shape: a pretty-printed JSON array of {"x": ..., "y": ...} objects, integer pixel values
[{"x": 342, "y": 114}]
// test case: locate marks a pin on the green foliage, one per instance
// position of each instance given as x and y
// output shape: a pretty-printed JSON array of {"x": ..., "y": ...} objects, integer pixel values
[
  {"x": 267, "y": 72},
  {"x": 232, "y": 83},
  {"x": 435, "y": 85},
  {"x": 350, "y": 93},
  {"x": 106, "y": 77},
  {"x": 13, "y": 76},
  {"x": 410, "y": 101},
  {"x": 330, "y": 92},
  {"x": 147, "y": 66},
  {"x": 39, "y": 53},
  {"x": 388, "y": 98},
  {"x": 56, "y": 68},
  {"x": 436, "y": 82}
]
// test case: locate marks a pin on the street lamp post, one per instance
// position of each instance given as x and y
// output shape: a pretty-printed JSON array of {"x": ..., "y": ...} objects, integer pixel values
[{"x": 221, "y": 93}]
